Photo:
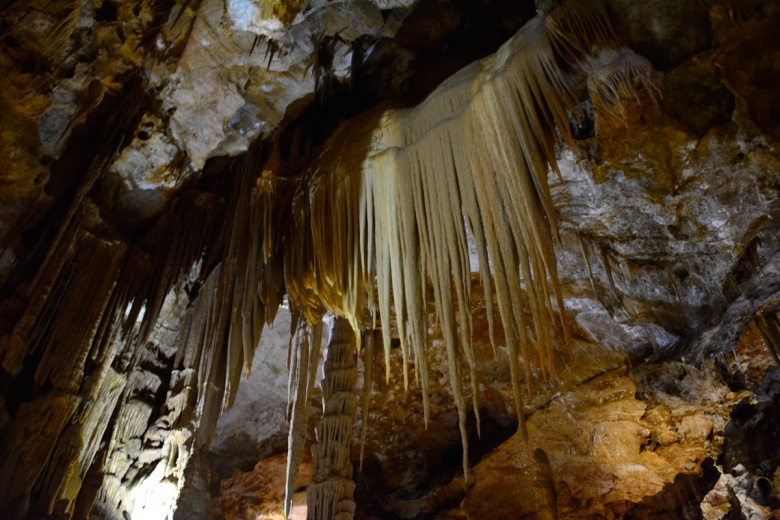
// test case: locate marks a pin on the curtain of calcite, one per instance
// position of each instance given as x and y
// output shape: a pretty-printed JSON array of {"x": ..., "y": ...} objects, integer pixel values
[
  {"x": 108, "y": 372},
  {"x": 51, "y": 439}
]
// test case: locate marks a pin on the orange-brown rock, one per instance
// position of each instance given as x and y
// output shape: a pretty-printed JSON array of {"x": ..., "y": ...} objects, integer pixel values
[{"x": 259, "y": 493}]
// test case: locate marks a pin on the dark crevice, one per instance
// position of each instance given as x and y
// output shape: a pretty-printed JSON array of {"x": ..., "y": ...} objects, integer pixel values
[
  {"x": 680, "y": 499},
  {"x": 437, "y": 469}
]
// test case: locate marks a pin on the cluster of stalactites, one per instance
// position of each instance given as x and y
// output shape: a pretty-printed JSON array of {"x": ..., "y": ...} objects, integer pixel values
[{"x": 391, "y": 199}]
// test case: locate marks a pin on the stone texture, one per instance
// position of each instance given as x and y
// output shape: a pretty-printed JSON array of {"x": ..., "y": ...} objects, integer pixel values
[
  {"x": 259, "y": 493},
  {"x": 612, "y": 441},
  {"x": 736, "y": 493},
  {"x": 229, "y": 89},
  {"x": 256, "y": 428},
  {"x": 697, "y": 97},
  {"x": 669, "y": 228},
  {"x": 637, "y": 432},
  {"x": 665, "y": 40}
]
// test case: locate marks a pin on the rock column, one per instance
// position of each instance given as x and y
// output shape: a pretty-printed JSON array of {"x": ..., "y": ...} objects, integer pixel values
[{"x": 331, "y": 489}]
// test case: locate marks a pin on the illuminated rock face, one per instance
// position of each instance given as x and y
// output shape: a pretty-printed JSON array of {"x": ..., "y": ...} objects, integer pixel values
[{"x": 129, "y": 210}]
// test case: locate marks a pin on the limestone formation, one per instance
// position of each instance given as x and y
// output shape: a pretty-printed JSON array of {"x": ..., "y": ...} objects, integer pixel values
[
  {"x": 556, "y": 220},
  {"x": 330, "y": 491}
]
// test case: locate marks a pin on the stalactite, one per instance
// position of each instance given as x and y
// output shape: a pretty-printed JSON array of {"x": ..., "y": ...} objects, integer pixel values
[
  {"x": 475, "y": 153},
  {"x": 305, "y": 352},
  {"x": 611, "y": 76},
  {"x": 270, "y": 200},
  {"x": 36, "y": 426},
  {"x": 71, "y": 460},
  {"x": 67, "y": 341},
  {"x": 41, "y": 303},
  {"x": 299, "y": 271},
  {"x": 334, "y": 201},
  {"x": 586, "y": 257},
  {"x": 578, "y": 28},
  {"x": 768, "y": 326},
  {"x": 245, "y": 252}
]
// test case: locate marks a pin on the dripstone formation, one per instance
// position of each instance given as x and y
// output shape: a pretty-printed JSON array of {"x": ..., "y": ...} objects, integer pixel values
[{"x": 383, "y": 259}]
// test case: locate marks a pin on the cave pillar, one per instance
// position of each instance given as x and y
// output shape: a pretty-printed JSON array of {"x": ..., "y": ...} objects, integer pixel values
[{"x": 330, "y": 494}]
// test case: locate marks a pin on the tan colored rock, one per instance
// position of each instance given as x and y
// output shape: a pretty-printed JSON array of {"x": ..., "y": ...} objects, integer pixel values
[
  {"x": 79, "y": 444},
  {"x": 260, "y": 493},
  {"x": 611, "y": 468}
]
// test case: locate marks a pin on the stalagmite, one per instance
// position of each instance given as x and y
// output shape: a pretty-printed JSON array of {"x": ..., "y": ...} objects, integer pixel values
[
  {"x": 330, "y": 492},
  {"x": 544, "y": 487}
]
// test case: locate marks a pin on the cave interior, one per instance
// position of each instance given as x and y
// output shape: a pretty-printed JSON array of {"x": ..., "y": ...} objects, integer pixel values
[{"x": 389, "y": 259}]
